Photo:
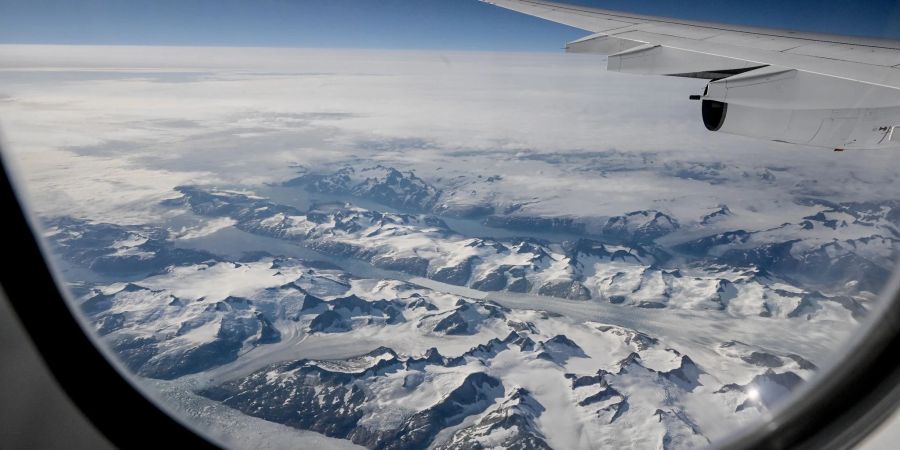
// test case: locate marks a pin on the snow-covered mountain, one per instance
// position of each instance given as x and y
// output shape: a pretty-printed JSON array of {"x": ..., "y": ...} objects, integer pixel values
[
  {"x": 392, "y": 364},
  {"x": 583, "y": 269},
  {"x": 825, "y": 246},
  {"x": 447, "y": 340},
  {"x": 116, "y": 250},
  {"x": 381, "y": 184}
]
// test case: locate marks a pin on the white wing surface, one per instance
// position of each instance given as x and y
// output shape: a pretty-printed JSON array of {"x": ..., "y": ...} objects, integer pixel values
[{"x": 803, "y": 88}]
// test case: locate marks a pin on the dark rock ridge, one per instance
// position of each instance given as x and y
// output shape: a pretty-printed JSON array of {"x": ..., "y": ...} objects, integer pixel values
[
  {"x": 641, "y": 341},
  {"x": 722, "y": 212},
  {"x": 334, "y": 403},
  {"x": 118, "y": 250},
  {"x": 467, "y": 318},
  {"x": 686, "y": 375},
  {"x": 514, "y": 421},
  {"x": 336, "y": 395},
  {"x": 828, "y": 265},
  {"x": 156, "y": 359},
  {"x": 766, "y": 390},
  {"x": 610, "y": 400},
  {"x": 390, "y": 187},
  {"x": 248, "y": 211},
  {"x": 385, "y": 185},
  {"x": 570, "y": 289},
  {"x": 704, "y": 246},
  {"x": 341, "y": 313},
  {"x": 585, "y": 248},
  {"x": 123, "y": 318},
  {"x": 559, "y": 349},
  {"x": 537, "y": 224},
  {"x": 457, "y": 274},
  {"x": 640, "y": 226}
]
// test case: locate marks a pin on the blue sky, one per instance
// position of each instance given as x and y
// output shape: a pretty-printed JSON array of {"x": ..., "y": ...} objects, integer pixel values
[{"x": 415, "y": 24}]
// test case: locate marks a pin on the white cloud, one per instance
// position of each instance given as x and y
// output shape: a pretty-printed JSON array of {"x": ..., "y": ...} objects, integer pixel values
[{"x": 126, "y": 124}]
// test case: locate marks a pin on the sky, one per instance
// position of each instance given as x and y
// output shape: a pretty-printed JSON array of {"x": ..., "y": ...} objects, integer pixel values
[{"x": 392, "y": 24}]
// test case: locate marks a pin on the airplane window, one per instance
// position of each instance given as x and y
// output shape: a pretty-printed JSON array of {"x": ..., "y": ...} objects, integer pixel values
[{"x": 432, "y": 243}]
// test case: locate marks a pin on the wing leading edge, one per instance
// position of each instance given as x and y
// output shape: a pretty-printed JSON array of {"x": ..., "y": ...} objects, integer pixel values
[{"x": 813, "y": 81}]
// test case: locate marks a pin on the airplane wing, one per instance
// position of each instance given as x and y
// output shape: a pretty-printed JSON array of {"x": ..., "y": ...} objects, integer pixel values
[{"x": 803, "y": 88}]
